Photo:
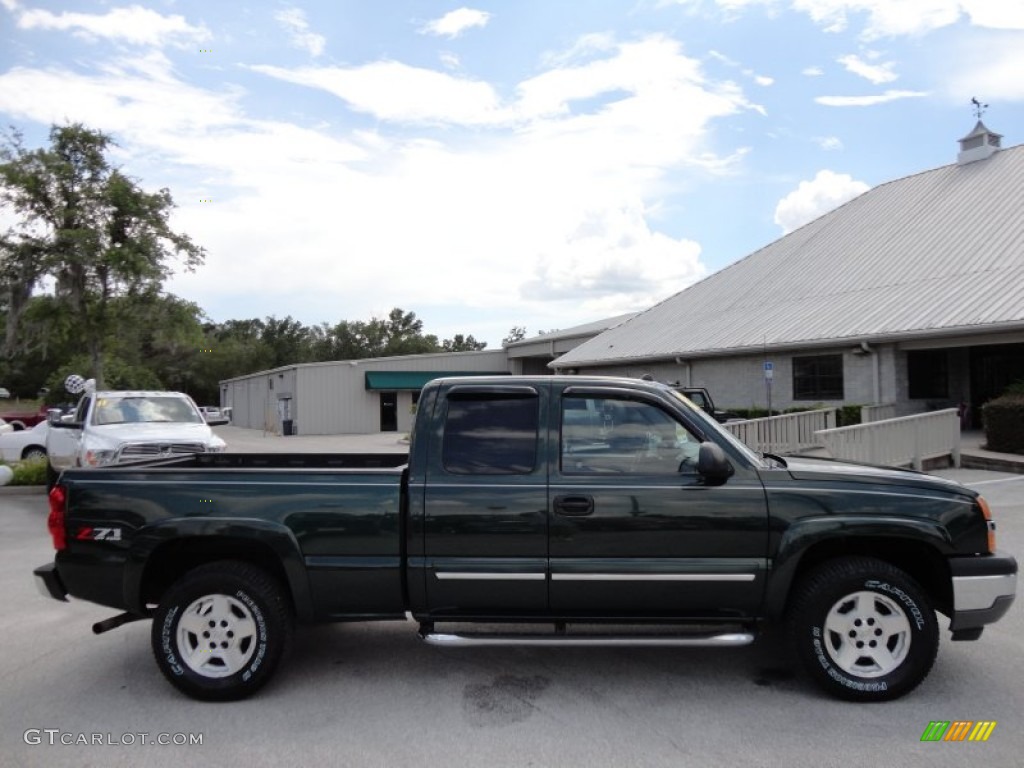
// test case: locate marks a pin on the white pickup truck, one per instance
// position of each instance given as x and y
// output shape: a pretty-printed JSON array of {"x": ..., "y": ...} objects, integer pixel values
[{"x": 112, "y": 427}]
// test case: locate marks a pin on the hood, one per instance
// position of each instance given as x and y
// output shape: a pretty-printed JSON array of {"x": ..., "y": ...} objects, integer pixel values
[
  {"x": 810, "y": 469},
  {"x": 153, "y": 432}
]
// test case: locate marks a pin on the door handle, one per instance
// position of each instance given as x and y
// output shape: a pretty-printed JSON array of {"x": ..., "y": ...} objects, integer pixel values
[{"x": 574, "y": 506}]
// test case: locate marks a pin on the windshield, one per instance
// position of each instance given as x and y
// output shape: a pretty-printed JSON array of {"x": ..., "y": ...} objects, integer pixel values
[
  {"x": 710, "y": 425},
  {"x": 141, "y": 409}
]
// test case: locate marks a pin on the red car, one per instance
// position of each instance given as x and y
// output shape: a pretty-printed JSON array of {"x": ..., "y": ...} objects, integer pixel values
[{"x": 24, "y": 419}]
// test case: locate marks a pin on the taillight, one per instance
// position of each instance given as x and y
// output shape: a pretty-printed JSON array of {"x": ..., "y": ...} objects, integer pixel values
[
  {"x": 989, "y": 523},
  {"x": 55, "y": 521}
]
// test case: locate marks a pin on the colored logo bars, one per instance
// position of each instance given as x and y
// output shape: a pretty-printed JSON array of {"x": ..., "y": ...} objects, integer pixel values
[{"x": 958, "y": 730}]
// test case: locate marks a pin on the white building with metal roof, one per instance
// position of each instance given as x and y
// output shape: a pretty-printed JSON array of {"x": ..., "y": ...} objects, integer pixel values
[
  {"x": 911, "y": 293},
  {"x": 378, "y": 394},
  {"x": 346, "y": 396}
]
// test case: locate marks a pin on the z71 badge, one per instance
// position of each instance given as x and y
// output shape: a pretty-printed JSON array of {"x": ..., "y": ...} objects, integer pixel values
[{"x": 99, "y": 534}]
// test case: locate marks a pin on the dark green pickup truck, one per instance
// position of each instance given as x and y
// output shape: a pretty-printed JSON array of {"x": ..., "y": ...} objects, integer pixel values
[{"x": 532, "y": 510}]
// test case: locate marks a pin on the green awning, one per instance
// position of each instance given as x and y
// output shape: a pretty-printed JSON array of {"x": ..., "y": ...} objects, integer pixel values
[{"x": 392, "y": 381}]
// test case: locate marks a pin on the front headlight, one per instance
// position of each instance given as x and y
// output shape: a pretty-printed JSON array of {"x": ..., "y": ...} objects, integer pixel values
[
  {"x": 216, "y": 445},
  {"x": 97, "y": 458}
]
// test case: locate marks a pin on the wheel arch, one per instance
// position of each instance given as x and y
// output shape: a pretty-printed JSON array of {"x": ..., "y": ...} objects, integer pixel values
[
  {"x": 157, "y": 560},
  {"x": 920, "y": 557},
  {"x": 27, "y": 448}
]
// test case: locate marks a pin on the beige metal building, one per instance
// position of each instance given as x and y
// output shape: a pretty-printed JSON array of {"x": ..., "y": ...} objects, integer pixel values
[{"x": 347, "y": 396}]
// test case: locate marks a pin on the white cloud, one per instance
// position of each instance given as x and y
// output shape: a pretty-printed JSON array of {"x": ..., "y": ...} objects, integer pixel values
[
  {"x": 454, "y": 23},
  {"x": 294, "y": 22},
  {"x": 718, "y": 56},
  {"x": 811, "y": 199},
  {"x": 876, "y": 73},
  {"x": 988, "y": 68},
  {"x": 133, "y": 25},
  {"x": 829, "y": 143},
  {"x": 391, "y": 90},
  {"x": 890, "y": 18},
  {"x": 812, "y": 71},
  {"x": 558, "y": 183},
  {"x": 995, "y": 14},
  {"x": 614, "y": 263},
  {"x": 868, "y": 101},
  {"x": 885, "y": 18},
  {"x": 764, "y": 80}
]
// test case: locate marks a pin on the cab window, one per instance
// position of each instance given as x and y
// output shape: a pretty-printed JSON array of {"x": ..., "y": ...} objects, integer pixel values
[
  {"x": 491, "y": 434},
  {"x": 610, "y": 435}
]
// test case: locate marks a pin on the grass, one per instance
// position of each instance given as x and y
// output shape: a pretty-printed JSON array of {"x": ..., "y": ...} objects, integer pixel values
[{"x": 29, "y": 472}]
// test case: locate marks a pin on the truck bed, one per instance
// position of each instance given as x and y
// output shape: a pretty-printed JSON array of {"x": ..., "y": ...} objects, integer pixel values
[{"x": 333, "y": 522}]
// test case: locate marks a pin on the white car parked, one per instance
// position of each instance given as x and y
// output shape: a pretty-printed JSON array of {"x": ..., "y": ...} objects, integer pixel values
[
  {"x": 25, "y": 443},
  {"x": 214, "y": 416},
  {"x": 111, "y": 427}
]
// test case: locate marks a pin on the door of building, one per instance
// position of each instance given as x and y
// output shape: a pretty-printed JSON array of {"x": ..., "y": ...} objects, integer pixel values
[{"x": 388, "y": 411}]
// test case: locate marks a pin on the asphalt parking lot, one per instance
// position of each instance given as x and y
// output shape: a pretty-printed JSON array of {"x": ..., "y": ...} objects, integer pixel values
[{"x": 374, "y": 695}]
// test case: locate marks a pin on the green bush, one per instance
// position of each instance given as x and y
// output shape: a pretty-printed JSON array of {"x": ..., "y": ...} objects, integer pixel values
[
  {"x": 1003, "y": 419},
  {"x": 30, "y": 472},
  {"x": 749, "y": 413},
  {"x": 848, "y": 415},
  {"x": 1017, "y": 388}
]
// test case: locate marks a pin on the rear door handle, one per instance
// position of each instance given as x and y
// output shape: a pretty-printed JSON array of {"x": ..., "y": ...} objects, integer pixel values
[{"x": 574, "y": 506}]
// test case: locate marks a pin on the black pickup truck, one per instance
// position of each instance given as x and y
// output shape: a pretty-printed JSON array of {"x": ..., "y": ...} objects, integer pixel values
[{"x": 560, "y": 509}]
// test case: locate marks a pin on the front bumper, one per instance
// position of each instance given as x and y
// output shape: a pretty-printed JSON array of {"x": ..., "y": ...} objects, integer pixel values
[
  {"x": 48, "y": 582},
  {"x": 984, "y": 588}
]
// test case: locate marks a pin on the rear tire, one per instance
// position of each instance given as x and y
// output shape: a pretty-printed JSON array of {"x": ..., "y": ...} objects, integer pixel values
[
  {"x": 221, "y": 630},
  {"x": 863, "y": 629}
]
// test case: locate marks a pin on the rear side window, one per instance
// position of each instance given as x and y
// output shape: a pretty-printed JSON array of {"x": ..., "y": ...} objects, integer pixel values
[{"x": 491, "y": 435}]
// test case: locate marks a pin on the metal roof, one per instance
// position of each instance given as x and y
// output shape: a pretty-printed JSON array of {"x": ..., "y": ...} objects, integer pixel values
[
  {"x": 587, "y": 329},
  {"x": 932, "y": 253}
]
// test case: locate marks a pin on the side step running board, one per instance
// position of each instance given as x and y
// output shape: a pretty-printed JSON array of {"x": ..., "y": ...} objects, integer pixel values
[{"x": 726, "y": 640}]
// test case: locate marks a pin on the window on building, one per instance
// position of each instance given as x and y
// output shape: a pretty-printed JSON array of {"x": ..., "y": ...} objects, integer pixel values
[
  {"x": 928, "y": 374},
  {"x": 488, "y": 434},
  {"x": 818, "y": 378}
]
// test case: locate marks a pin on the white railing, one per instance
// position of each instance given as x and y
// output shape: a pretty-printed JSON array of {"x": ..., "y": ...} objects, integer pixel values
[
  {"x": 898, "y": 442},
  {"x": 791, "y": 433},
  {"x": 870, "y": 413}
]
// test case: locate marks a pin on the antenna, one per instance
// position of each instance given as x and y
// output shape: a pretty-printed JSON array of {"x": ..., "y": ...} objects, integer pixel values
[{"x": 979, "y": 108}]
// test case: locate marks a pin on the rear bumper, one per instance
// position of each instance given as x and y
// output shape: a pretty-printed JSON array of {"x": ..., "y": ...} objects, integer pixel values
[
  {"x": 48, "y": 582},
  {"x": 984, "y": 588}
]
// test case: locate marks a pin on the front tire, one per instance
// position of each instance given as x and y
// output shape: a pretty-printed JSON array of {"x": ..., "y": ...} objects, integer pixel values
[
  {"x": 863, "y": 629},
  {"x": 221, "y": 630}
]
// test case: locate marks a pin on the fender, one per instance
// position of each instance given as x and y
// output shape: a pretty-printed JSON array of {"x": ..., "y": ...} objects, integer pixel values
[
  {"x": 804, "y": 534},
  {"x": 279, "y": 539}
]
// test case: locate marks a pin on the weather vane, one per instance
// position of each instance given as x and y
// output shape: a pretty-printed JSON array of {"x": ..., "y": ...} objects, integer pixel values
[{"x": 979, "y": 108}]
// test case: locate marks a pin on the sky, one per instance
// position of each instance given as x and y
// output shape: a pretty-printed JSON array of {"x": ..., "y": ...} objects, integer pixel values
[{"x": 536, "y": 163}]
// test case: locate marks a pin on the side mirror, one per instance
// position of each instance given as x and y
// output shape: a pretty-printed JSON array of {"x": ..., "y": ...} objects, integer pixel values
[
  {"x": 61, "y": 420},
  {"x": 713, "y": 465}
]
